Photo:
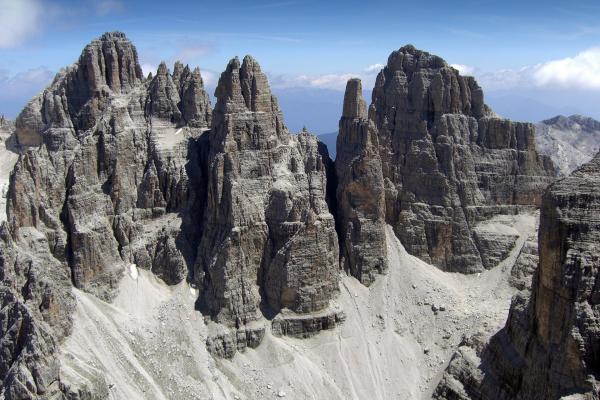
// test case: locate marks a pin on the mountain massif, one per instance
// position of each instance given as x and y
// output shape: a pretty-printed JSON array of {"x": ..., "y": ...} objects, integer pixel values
[
  {"x": 156, "y": 246},
  {"x": 568, "y": 141}
]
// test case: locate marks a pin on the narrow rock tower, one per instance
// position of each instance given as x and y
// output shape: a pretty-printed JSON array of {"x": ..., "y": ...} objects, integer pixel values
[{"x": 360, "y": 191}]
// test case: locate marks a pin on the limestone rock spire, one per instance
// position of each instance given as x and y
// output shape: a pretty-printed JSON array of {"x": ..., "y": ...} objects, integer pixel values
[{"x": 360, "y": 190}]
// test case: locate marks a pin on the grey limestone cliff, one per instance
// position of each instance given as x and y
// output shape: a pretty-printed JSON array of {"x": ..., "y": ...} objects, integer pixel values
[
  {"x": 103, "y": 180},
  {"x": 270, "y": 241},
  {"x": 448, "y": 162},
  {"x": 360, "y": 190},
  {"x": 549, "y": 346}
]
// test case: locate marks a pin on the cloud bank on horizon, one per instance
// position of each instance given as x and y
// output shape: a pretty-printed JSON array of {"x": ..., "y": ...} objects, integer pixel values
[{"x": 552, "y": 73}]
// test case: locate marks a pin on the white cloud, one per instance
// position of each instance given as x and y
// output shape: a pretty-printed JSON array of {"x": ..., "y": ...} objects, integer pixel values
[
  {"x": 463, "y": 69},
  {"x": 325, "y": 81},
  {"x": 581, "y": 71},
  {"x": 148, "y": 68},
  {"x": 19, "y": 20},
  {"x": 374, "y": 68},
  {"x": 191, "y": 52},
  {"x": 209, "y": 77},
  {"x": 506, "y": 78},
  {"x": 29, "y": 82}
]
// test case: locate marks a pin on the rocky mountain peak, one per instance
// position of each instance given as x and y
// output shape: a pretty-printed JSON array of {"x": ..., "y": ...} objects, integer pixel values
[
  {"x": 442, "y": 149},
  {"x": 429, "y": 85},
  {"x": 410, "y": 59},
  {"x": 162, "y": 69},
  {"x": 78, "y": 95},
  {"x": 354, "y": 104},
  {"x": 110, "y": 61},
  {"x": 179, "y": 97},
  {"x": 360, "y": 190},
  {"x": 568, "y": 141},
  {"x": 244, "y": 87},
  {"x": 573, "y": 122}
]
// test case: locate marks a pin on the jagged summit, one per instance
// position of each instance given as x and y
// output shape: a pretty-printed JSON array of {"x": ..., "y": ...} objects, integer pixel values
[
  {"x": 431, "y": 86},
  {"x": 244, "y": 87},
  {"x": 114, "y": 35},
  {"x": 111, "y": 60},
  {"x": 409, "y": 59}
]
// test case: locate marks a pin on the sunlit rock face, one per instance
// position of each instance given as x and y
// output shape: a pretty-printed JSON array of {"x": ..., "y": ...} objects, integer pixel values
[
  {"x": 447, "y": 160},
  {"x": 270, "y": 241}
]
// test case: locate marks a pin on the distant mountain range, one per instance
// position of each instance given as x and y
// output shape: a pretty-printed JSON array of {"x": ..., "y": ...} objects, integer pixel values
[{"x": 569, "y": 141}]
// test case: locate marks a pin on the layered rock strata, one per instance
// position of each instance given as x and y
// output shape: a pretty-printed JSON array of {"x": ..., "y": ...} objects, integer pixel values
[
  {"x": 360, "y": 190},
  {"x": 447, "y": 161},
  {"x": 549, "y": 346},
  {"x": 109, "y": 175},
  {"x": 270, "y": 242}
]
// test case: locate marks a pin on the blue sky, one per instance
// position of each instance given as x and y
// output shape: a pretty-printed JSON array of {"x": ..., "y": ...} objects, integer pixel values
[{"x": 540, "y": 52}]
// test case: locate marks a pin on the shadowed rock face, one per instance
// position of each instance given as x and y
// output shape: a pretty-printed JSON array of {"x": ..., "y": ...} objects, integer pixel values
[
  {"x": 360, "y": 190},
  {"x": 270, "y": 239},
  {"x": 550, "y": 345},
  {"x": 447, "y": 161}
]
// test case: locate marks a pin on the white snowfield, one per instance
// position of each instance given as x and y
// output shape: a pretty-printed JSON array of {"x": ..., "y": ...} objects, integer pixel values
[{"x": 150, "y": 342}]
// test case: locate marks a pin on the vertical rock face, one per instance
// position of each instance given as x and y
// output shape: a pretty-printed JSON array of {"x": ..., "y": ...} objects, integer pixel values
[
  {"x": 549, "y": 348},
  {"x": 447, "y": 161},
  {"x": 109, "y": 175},
  {"x": 360, "y": 190},
  {"x": 270, "y": 241},
  {"x": 109, "y": 158},
  {"x": 180, "y": 97}
]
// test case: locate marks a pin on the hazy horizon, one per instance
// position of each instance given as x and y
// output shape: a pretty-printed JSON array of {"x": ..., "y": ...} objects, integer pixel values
[{"x": 530, "y": 68}]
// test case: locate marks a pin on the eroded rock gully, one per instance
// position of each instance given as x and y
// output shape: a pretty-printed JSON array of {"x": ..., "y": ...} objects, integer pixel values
[{"x": 118, "y": 173}]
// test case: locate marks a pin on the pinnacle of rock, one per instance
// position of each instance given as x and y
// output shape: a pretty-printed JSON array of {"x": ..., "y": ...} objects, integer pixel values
[
  {"x": 354, "y": 104},
  {"x": 244, "y": 87},
  {"x": 110, "y": 61}
]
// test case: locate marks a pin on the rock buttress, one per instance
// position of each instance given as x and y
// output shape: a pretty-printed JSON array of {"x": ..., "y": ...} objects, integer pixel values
[
  {"x": 360, "y": 190},
  {"x": 270, "y": 242}
]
